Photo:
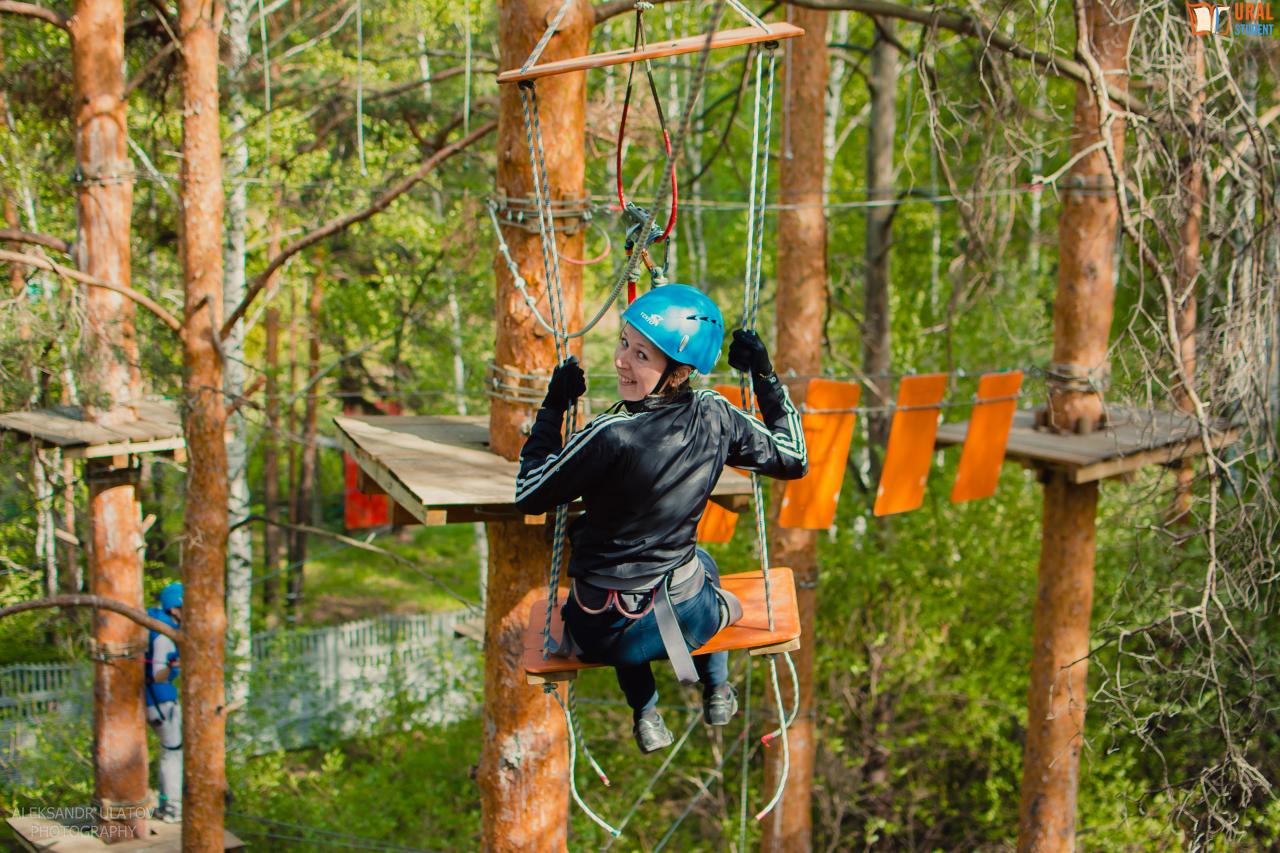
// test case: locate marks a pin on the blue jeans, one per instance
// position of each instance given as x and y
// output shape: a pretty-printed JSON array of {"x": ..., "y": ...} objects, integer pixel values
[{"x": 628, "y": 645}]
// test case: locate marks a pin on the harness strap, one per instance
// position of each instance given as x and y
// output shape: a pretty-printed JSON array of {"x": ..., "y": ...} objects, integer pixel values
[{"x": 672, "y": 637}]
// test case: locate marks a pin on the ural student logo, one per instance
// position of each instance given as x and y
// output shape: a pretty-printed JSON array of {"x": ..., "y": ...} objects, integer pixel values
[{"x": 1250, "y": 19}]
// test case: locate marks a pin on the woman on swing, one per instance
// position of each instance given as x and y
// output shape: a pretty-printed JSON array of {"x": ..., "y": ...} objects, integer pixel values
[{"x": 641, "y": 589}]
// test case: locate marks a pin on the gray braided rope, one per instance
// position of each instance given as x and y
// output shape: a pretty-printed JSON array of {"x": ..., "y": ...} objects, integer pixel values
[{"x": 546, "y": 37}]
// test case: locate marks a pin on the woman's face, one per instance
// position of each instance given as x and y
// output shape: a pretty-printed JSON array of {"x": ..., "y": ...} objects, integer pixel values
[{"x": 639, "y": 364}]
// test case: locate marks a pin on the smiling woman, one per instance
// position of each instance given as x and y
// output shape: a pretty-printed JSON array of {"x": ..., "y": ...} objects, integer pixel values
[{"x": 642, "y": 590}]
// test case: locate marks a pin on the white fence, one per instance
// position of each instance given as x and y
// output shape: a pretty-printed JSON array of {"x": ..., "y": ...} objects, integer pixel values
[{"x": 306, "y": 685}]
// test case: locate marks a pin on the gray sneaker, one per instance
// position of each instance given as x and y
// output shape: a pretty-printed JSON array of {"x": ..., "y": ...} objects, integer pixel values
[
  {"x": 719, "y": 706},
  {"x": 652, "y": 734}
]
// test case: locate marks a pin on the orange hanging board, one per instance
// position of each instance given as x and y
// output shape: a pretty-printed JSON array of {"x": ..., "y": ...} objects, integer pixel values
[
  {"x": 717, "y": 523},
  {"x": 810, "y": 502},
  {"x": 906, "y": 463},
  {"x": 984, "y": 443}
]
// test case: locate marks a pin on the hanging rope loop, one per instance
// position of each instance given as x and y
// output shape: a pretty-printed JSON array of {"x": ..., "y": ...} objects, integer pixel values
[{"x": 640, "y": 42}]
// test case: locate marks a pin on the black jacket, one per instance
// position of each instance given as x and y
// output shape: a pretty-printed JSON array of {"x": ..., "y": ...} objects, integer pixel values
[{"x": 644, "y": 471}]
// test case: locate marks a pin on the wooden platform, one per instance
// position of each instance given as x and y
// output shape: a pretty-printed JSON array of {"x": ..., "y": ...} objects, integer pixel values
[
  {"x": 752, "y": 632},
  {"x": 440, "y": 470},
  {"x": 44, "y": 834},
  {"x": 654, "y": 50},
  {"x": 1132, "y": 439},
  {"x": 157, "y": 429}
]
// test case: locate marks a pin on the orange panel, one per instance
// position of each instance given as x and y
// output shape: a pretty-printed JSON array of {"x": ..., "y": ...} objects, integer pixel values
[
  {"x": 915, "y": 424},
  {"x": 750, "y": 633},
  {"x": 717, "y": 524},
  {"x": 810, "y": 502},
  {"x": 988, "y": 434}
]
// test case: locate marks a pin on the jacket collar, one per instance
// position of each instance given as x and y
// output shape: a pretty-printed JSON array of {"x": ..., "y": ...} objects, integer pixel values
[{"x": 657, "y": 401}]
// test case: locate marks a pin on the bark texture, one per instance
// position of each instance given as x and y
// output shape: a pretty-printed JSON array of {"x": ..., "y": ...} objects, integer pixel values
[
  {"x": 104, "y": 203},
  {"x": 802, "y": 299},
  {"x": 877, "y": 353},
  {"x": 523, "y": 764},
  {"x": 1081, "y": 326},
  {"x": 204, "y": 423}
]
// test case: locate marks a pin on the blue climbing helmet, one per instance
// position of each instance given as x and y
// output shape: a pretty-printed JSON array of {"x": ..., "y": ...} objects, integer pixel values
[
  {"x": 171, "y": 596},
  {"x": 682, "y": 321}
]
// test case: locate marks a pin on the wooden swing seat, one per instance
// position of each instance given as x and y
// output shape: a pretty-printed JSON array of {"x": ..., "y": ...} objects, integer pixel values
[
  {"x": 751, "y": 633},
  {"x": 653, "y": 50}
]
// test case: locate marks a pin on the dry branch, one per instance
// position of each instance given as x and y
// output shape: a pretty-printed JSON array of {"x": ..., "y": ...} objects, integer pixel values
[
  {"x": 342, "y": 223},
  {"x": 1053, "y": 64},
  {"x": 139, "y": 616},
  {"x": 13, "y": 235},
  {"x": 31, "y": 10},
  {"x": 75, "y": 275},
  {"x": 614, "y": 8}
]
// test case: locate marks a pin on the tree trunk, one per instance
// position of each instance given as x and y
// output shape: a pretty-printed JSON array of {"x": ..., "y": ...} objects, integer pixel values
[
  {"x": 300, "y": 513},
  {"x": 877, "y": 354},
  {"x": 205, "y": 519},
  {"x": 104, "y": 202},
  {"x": 523, "y": 767},
  {"x": 240, "y": 541},
  {"x": 802, "y": 298},
  {"x": 271, "y": 467},
  {"x": 1081, "y": 324}
]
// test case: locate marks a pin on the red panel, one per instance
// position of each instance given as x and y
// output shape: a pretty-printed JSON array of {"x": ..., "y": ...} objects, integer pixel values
[{"x": 360, "y": 510}]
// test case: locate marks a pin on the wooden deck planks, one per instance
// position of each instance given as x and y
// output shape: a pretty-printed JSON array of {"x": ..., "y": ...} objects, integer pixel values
[
  {"x": 157, "y": 428},
  {"x": 1132, "y": 439},
  {"x": 440, "y": 469}
]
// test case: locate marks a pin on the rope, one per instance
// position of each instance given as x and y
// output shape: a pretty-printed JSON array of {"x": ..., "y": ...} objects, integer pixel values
[
  {"x": 742, "y": 791},
  {"x": 657, "y": 774},
  {"x": 749, "y": 15},
  {"x": 546, "y": 37},
  {"x": 751, "y": 283},
  {"x": 573, "y": 756},
  {"x": 360, "y": 85},
  {"x": 786, "y": 744},
  {"x": 577, "y": 730},
  {"x": 466, "y": 81}
]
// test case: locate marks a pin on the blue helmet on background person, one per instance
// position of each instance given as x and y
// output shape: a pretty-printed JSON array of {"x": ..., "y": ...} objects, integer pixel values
[
  {"x": 682, "y": 321},
  {"x": 171, "y": 596}
]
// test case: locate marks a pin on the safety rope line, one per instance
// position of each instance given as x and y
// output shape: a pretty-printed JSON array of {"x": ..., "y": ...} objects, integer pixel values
[
  {"x": 582, "y": 739},
  {"x": 749, "y": 15},
  {"x": 546, "y": 37},
  {"x": 641, "y": 41},
  {"x": 752, "y": 279},
  {"x": 795, "y": 703},
  {"x": 573, "y": 757},
  {"x": 555, "y": 301},
  {"x": 657, "y": 774},
  {"x": 786, "y": 744},
  {"x": 746, "y": 757}
]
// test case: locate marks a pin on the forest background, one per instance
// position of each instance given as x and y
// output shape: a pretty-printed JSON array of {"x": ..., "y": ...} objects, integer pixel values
[{"x": 924, "y": 627}]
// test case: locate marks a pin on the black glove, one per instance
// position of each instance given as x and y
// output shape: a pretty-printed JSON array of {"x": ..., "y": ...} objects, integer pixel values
[
  {"x": 568, "y": 383},
  {"x": 748, "y": 352}
]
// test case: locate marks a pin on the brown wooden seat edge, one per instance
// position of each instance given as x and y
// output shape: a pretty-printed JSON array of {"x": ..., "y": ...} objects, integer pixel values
[{"x": 751, "y": 633}]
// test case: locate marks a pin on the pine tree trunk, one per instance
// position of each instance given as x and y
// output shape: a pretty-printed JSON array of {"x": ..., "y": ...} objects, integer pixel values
[
  {"x": 802, "y": 298},
  {"x": 271, "y": 537},
  {"x": 877, "y": 353},
  {"x": 1081, "y": 324},
  {"x": 523, "y": 768},
  {"x": 240, "y": 541},
  {"x": 205, "y": 518},
  {"x": 104, "y": 208},
  {"x": 305, "y": 484}
]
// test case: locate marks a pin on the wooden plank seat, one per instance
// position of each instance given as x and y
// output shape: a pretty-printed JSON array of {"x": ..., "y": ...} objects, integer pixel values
[
  {"x": 440, "y": 469},
  {"x": 653, "y": 50},
  {"x": 1131, "y": 439},
  {"x": 751, "y": 633}
]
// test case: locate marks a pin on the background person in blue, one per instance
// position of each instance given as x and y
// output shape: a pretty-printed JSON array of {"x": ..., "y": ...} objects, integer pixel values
[
  {"x": 163, "y": 711},
  {"x": 641, "y": 589}
]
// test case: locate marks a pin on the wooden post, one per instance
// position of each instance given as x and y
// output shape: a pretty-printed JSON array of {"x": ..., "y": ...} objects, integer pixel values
[
  {"x": 523, "y": 763},
  {"x": 104, "y": 203},
  {"x": 1081, "y": 324},
  {"x": 204, "y": 423},
  {"x": 802, "y": 299}
]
